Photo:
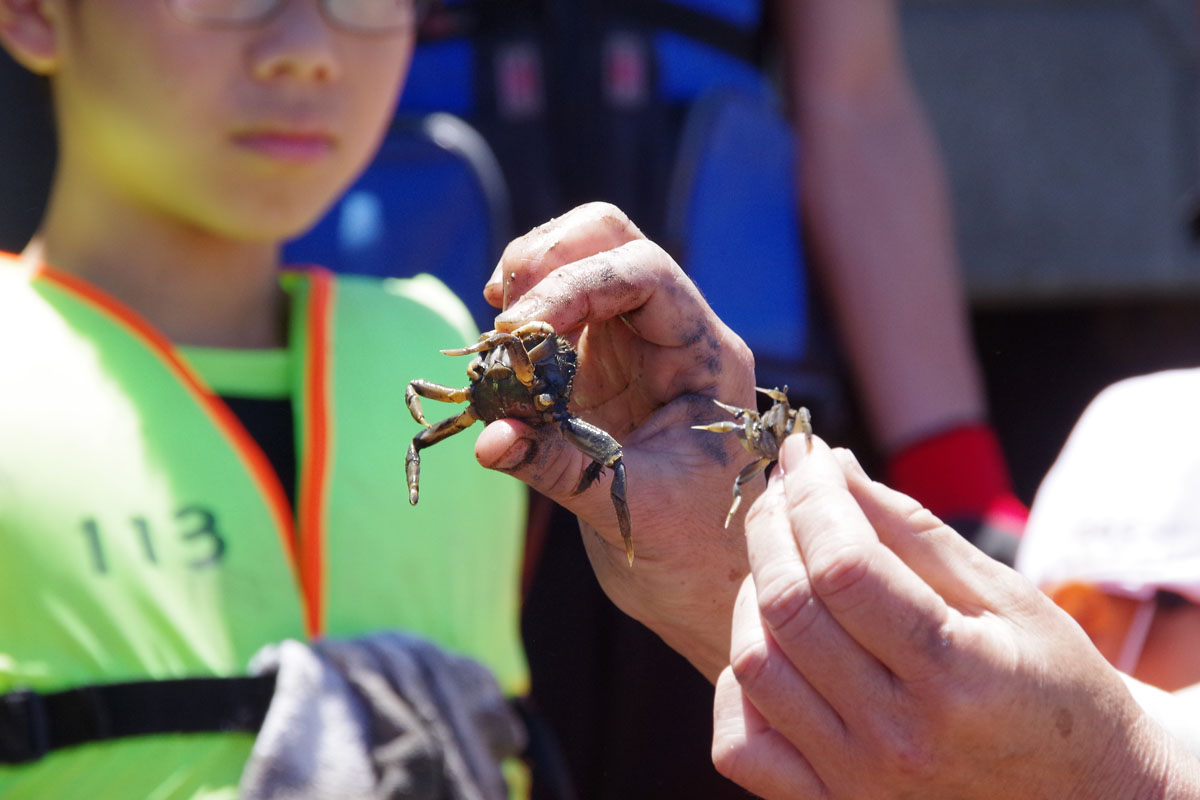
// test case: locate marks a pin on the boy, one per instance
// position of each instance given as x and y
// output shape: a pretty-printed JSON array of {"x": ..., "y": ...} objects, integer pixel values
[{"x": 164, "y": 388}]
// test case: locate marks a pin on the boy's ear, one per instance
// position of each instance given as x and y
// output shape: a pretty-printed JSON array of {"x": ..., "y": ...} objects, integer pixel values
[{"x": 29, "y": 32}]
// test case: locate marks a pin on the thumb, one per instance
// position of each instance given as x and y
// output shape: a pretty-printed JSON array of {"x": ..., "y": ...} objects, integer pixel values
[{"x": 551, "y": 465}]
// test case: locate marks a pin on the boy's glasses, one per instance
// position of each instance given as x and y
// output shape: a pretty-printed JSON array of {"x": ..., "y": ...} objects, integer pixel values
[{"x": 357, "y": 16}]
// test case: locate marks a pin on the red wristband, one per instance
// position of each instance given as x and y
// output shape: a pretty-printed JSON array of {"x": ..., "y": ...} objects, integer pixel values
[{"x": 960, "y": 473}]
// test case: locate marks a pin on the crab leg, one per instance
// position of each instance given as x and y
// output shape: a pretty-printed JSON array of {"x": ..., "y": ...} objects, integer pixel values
[
  {"x": 778, "y": 395},
  {"x": 617, "y": 492},
  {"x": 430, "y": 436},
  {"x": 522, "y": 361},
  {"x": 605, "y": 451},
  {"x": 724, "y": 426},
  {"x": 434, "y": 391},
  {"x": 747, "y": 473},
  {"x": 487, "y": 341},
  {"x": 521, "y": 365},
  {"x": 804, "y": 420}
]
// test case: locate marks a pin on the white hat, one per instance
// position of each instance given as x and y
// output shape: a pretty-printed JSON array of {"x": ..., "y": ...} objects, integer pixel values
[{"x": 1120, "y": 509}]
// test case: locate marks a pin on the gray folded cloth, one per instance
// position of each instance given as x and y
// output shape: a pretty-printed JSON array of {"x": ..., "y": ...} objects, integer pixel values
[{"x": 383, "y": 716}]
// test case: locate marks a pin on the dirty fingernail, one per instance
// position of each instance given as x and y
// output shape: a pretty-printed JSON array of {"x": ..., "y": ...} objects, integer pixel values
[{"x": 521, "y": 312}]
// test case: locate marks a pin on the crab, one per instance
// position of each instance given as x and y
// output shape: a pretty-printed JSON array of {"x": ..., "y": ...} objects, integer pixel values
[
  {"x": 761, "y": 434},
  {"x": 525, "y": 375}
]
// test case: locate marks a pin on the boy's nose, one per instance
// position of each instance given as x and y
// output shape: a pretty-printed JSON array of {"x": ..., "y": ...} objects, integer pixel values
[{"x": 297, "y": 43}]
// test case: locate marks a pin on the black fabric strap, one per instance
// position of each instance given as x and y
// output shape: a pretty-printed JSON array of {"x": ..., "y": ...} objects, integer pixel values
[
  {"x": 707, "y": 29},
  {"x": 447, "y": 22},
  {"x": 33, "y": 724}
]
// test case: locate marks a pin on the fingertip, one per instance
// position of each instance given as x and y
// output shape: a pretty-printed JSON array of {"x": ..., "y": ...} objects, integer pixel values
[
  {"x": 797, "y": 448},
  {"x": 506, "y": 445},
  {"x": 493, "y": 293},
  {"x": 729, "y": 725},
  {"x": 849, "y": 463}
]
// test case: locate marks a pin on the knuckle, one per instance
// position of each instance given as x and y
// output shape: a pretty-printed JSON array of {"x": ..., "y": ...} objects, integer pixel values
[
  {"x": 841, "y": 575},
  {"x": 903, "y": 747},
  {"x": 751, "y": 663},
  {"x": 565, "y": 470},
  {"x": 910, "y": 758},
  {"x": 787, "y": 604},
  {"x": 611, "y": 216}
]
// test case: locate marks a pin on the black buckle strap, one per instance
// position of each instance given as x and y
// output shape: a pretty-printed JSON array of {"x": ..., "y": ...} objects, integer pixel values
[{"x": 33, "y": 724}]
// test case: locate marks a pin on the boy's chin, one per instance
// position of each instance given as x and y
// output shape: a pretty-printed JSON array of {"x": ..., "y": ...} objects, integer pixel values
[{"x": 272, "y": 229}]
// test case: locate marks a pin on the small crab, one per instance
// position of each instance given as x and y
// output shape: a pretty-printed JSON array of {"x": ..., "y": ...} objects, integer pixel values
[
  {"x": 523, "y": 375},
  {"x": 761, "y": 435}
]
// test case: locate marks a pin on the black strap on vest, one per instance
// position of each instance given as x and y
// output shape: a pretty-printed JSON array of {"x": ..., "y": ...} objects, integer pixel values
[
  {"x": 33, "y": 724},
  {"x": 717, "y": 33}
]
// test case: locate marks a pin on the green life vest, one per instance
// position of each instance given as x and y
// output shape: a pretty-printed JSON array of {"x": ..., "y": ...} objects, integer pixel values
[{"x": 145, "y": 535}]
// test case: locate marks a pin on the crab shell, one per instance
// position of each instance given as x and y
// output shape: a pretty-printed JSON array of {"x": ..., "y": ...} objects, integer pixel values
[{"x": 496, "y": 393}]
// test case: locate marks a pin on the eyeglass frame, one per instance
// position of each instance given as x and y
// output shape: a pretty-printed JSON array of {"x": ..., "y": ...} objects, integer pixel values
[{"x": 420, "y": 8}]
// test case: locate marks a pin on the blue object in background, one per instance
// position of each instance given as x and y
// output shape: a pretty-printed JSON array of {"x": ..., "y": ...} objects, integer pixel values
[
  {"x": 734, "y": 220},
  {"x": 433, "y": 200}
]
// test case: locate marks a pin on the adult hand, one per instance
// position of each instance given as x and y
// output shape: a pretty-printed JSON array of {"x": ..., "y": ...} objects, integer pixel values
[
  {"x": 652, "y": 357},
  {"x": 876, "y": 654}
]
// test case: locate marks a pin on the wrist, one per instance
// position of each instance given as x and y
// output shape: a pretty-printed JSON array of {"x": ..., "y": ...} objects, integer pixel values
[
  {"x": 693, "y": 621},
  {"x": 1181, "y": 777},
  {"x": 1143, "y": 762}
]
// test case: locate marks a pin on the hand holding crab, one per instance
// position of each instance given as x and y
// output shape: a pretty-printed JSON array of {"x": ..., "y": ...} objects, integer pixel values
[
  {"x": 526, "y": 375},
  {"x": 652, "y": 355}
]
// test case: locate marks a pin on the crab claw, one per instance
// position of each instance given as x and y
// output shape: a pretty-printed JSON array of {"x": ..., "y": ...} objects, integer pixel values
[{"x": 735, "y": 410}]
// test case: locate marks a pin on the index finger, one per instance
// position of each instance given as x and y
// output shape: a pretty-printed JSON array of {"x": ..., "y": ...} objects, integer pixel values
[
  {"x": 637, "y": 281},
  {"x": 583, "y": 231},
  {"x": 877, "y": 599}
]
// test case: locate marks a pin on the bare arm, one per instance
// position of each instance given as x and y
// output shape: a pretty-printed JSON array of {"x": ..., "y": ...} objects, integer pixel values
[{"x": 877, "y": 213}]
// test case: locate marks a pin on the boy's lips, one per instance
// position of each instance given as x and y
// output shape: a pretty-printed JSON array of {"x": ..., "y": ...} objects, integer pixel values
[{"x": 287, "y": 145}]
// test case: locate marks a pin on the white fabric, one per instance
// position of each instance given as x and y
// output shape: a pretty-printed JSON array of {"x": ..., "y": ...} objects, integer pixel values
[
  {"x": 1120, "y": 508},
  {"x": 386, "y": 715},
  {"x": 1178, "y": 712}
]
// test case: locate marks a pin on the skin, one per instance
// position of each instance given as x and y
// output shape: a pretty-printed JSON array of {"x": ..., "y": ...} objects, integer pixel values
[
  {"x": 156, "y": 123},
  {"x": 875, "y": 654},
  {"x": 877, "y": 217},
  {"x": 652, "y": 356}
]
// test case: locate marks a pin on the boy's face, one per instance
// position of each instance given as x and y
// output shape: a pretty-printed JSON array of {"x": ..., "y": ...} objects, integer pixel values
[{"x": 246, "y": 132}]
